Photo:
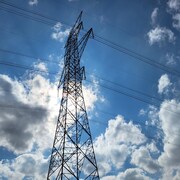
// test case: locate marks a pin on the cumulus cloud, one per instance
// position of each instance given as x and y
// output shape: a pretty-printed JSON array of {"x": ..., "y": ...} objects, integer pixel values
[
  {"x": 152, "y": 113},
  {"x": 167, "y": 162},
  {"x": 160, "y": 34},
  {"x": 133, "y": 173},
  {"x": 147, "y": 157},
  {"x": 154, "y": 16},
  {"x": 170, "y": 157},
  {"x": 174, "y": 10},
  {"x": 58, "y": 33},
  {"x": 23, "y": 112},
  {"x": 29, "y": 109},
  {"x": 92, "y": 94},
  {"x": 141, "y": 158},
  {"x": 26, "y": 106},
  {"x": 174, "y": 4},
  {"x": 25, "y": 166},
  {"x": 41, "y": 66},
  {"x": 164, "y": 84},
  {"x": 117, "y": 137},
  {"x": 33, "y": 2},
  {"x": 90, "y": 102},
  {"x": 152, "y": 148},
  {"x": 129, "y": 174},
  {"x": 152, "y": 116}
]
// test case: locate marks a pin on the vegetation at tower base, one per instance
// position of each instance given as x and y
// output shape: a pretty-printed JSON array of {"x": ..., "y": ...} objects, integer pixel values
[{"x": 73, "y": 154}]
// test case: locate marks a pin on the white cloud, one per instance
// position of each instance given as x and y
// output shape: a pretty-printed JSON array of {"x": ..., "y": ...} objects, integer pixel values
[
  {"x": 33, "y": 111},
  {"x": 160, "y": 34},
  {"x": 133, "y": 174},
  {"x": 170, "y": 59},
  {"x": 170, "y": 158},
  {"x": 149, "y": 157},
  {"x": 28, "y": 121},
  {"x": 154, "y": 16},
  {"x": 109, "y": 178},
  {"x": 26, "y": 113},
  {"x": 174, "y": 4},
  {"x": 57, "y": 27},
  {"x": 174, "y": 10},
  {"x": 164, "y": 84},
  {"x": 41, "y": 66},
  {"x": 146, "y": 157},
  {"x": 152, "y": 148},
  {"x": 58, "y": 33},
  {"x": 153, "y": 116},
  {"x": 152, "y": 113},
  {"x": 142, "y": 112},
  {"x": 142, "y": 159},
  {"x": 25, "y": 166},
  {"x": 117, "y": 137},
  {"x": 33, "y": 2},
  {"x": 128, "y": 174},
  {"x": 92, "y": 94},
  {"x": 176, "y": 21}
]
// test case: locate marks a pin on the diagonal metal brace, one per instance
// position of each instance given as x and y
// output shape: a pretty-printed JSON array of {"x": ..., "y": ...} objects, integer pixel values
[{"x": 83, "y": 41}]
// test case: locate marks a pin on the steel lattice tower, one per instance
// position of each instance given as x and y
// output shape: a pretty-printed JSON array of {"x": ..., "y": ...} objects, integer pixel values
[{"x": 72, "y": 154}]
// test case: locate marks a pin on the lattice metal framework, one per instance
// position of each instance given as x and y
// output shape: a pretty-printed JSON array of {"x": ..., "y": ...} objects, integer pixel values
[{"x": 72, "y": 153}]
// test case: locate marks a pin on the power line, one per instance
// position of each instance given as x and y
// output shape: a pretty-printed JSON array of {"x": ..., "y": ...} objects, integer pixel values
[
  {"x": 40, "y": 109},
  {"x": 25, "y": 67},
  {"x": 28, "y": 56},
  {"x": 27, "y": 16},
  {"x": 133, "y": 97},
  {"x": 102, "y": 85},
  {"x": 49, "y": 61},
  {"x": 131, "y": 89},
  {"x": 102, "y": 40},
  {"x": 137, "y": 56},
  {"x": 112, "y": 115},
  {"x": 10, "y": 106},
  {"x": 34, "y": 13},
  {"x": 98, "y": 77},
  {"x": 44, "y": 110},
  {"x": 37, "y": 108},
  {"x": 146, "y": 135}
]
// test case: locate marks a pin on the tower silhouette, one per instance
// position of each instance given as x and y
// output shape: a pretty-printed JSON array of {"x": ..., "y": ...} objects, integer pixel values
[{"x": 72, "y": 154}]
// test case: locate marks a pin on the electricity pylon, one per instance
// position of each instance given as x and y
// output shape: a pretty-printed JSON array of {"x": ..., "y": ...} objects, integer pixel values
[{"x": 72, "y": 154}]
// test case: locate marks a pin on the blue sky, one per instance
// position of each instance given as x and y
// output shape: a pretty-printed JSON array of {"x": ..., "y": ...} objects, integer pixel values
[{"x": 135, "y": 135}]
